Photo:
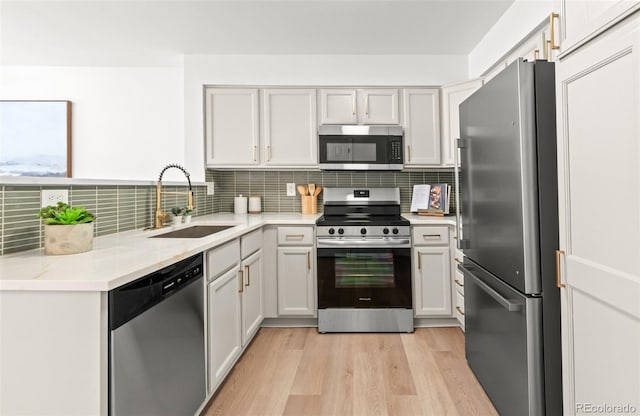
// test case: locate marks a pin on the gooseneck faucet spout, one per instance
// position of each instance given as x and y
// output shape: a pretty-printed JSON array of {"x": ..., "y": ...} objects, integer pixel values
[{"x": 161, "y": 216}]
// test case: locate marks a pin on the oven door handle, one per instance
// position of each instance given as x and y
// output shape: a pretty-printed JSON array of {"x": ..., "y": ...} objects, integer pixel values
[{"x": 332, "y": 242}]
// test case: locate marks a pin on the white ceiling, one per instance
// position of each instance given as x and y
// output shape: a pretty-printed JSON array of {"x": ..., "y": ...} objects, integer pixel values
[{"x": 159, "y": 32}]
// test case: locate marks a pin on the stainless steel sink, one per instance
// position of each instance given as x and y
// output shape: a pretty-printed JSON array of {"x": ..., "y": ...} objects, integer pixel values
[{"x": 196, "y": 231}]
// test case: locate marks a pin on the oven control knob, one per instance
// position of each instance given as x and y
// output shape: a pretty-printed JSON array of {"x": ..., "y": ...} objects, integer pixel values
[
  {"x": 385, "y": 230},
  {"x": 395, "y": 230},
  {"x": 340, "y": 231},
  {"x": 363, "y": 231},
  {"x": 332, "y": 231}
]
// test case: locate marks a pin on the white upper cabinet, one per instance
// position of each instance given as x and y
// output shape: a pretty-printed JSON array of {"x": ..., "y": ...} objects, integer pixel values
[
  {"x": 598, "y": 102},
  {"x": 421, "y": 126},
  {"x": 582, "y": 20},
  {"x": 359, "y": 106},
  {"x": 452, "y": 96},
  {"x": 338, "y": 106},
  {"x": 289, "y": 127},
  {"x": 232, "y": 127}
]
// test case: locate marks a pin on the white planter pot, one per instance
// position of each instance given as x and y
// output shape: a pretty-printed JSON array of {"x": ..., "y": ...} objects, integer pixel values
[
  {"x": 176, "y": 220},
  {"x": 187, "y": 219},
  {"x": 68, "y": 239}
]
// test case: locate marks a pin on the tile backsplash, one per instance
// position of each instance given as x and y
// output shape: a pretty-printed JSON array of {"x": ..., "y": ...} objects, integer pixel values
[
  {"x": 128, "y": 207},
  {"x": 116, "y": 207},
  {"x": 271, "y": 185}
]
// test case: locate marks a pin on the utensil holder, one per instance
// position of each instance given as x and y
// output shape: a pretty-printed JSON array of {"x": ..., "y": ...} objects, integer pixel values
[{"x": 309, "y": 204}]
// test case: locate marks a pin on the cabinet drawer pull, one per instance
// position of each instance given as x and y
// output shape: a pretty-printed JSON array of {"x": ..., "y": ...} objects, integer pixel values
[
  {"x": 241, "y": 281},
  {"x": 460, "y": 310},
  {"x": 425, "y": 236},
  {"x": 458, "y": 282},
  {"x": 300, "y": 236},
  {"x": 246, "y": 268},
  {"x": 308, "y": 260},
  {"x": 457, "y": 260}
]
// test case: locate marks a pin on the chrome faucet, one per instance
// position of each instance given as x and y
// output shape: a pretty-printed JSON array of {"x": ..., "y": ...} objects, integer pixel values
[{"x": 160, "y": 216}]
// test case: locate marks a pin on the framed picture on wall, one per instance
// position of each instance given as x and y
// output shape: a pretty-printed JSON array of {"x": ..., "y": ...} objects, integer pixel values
[{"x": 35, "y": 138}]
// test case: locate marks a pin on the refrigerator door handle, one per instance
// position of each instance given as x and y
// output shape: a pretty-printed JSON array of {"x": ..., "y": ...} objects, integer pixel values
[
  {"x": 504, "y": 302},
  {"x": 456, "y": 173}
]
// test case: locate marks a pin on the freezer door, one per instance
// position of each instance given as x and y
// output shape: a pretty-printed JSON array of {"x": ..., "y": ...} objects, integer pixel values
[
  {"x": 503, "y": 342},
  {"x": 498, "y": 177}
]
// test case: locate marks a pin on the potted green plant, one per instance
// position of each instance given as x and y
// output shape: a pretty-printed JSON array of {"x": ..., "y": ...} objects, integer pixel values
[
  {"x": 187, "y": 214},
  {"x": 177, "y": 215},
  {"x": 67, "y": 230}
]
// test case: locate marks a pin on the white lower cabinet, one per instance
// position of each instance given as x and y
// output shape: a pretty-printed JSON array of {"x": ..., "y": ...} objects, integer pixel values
[
  {"x": 296, "y": 283},
  {"x": 224, "y": 311},
  {"x": 252, "y": 300},
  {"x": 432, "y": 281}
]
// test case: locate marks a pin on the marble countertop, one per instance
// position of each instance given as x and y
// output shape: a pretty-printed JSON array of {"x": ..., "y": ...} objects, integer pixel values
[{"x": 120, "y": 258}]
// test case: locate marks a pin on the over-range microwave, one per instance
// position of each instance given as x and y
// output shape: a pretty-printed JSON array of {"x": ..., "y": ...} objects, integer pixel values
[{"x": 360, "y": 147}]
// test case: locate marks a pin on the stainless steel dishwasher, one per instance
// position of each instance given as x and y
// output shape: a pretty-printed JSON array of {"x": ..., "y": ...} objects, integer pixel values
[{"x": 156, "y": 343}]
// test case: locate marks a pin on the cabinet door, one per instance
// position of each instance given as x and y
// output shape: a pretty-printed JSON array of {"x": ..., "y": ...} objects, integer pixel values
[
  {"x": 224, "y": 336},
  {"x": 581, "y": 20},
  {"x": 296, "y": 287},
  {"x": 379, "y": 106},
  {"x": 338, "y": 106},
  {"x": 598, "y": 97},
  {"x": 252, "y": 298},
  {"x": 431, "y": 281},
  {"x": 231, "y": 130},
  {"x": 289, "y": 127},
  {"x": 452, "y": 96},
  {"x": 422, "y": 126}
]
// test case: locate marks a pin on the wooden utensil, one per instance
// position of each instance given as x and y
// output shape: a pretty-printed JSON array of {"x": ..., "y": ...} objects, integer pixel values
[
  {"x": 303, "y": 190},
  {"x": 317, "y": 190},
  {"x": 312, "y": 188}
]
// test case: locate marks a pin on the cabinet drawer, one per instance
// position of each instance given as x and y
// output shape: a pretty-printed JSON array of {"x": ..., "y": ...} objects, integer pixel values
[
  {"x": 431, "y": 236},
  {"x": 459, "y": 305},
  {"x": 295, "y": 236},
  {"x": 250, "y": 243},
  {"x": 222, "y": 258},
  {"x": 458, "y": 282}
]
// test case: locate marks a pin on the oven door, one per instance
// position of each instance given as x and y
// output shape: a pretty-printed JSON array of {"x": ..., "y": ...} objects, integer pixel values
[{"x": 364, "y": 278}]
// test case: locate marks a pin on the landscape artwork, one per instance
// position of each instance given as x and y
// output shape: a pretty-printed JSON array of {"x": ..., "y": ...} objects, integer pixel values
[{"x": 35, "y": 138}]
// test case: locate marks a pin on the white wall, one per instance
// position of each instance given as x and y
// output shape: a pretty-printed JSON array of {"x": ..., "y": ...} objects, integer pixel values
[
  {"x": 515, "y": 24},
  {"x": 363, "y": 70},
  {"x": 127, "y": 121}
]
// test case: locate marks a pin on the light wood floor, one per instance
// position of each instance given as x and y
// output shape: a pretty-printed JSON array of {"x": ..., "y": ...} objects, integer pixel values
[{"x": 296, "y": 371}]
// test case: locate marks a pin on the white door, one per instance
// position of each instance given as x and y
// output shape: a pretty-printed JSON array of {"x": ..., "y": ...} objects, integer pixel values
[
  {"x": 338, "y": 106},
  {"x": 452, "y": 96},
  {"x": 289, "y": 127},
  {"x": 379, "y": 106},
  {"x": 231, "y": 130},
  {"x": 224, "y": 335},
  {"x": 296, "y": 287},
  {"x": 432, "y": 281},
  {"x": 598, "y": 90},
  {"x": 422, "y": 126},
  {"x": 252, "y": 296}
]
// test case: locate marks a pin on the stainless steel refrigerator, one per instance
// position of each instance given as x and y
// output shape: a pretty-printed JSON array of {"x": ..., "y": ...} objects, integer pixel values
[{"x": 509, "y": 219}]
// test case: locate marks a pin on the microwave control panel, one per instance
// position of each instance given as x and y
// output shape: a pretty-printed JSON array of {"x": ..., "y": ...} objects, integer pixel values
[{"x": 396, "y": 151}]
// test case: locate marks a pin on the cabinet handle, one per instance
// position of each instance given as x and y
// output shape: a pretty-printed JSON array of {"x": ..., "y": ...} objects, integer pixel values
[
  {"x": 547, "y": 50},
  {"x": 419, "y": 262},
  {"x": 458, "y": 282},
  {"x": 460, "y": 310},
  {"x": 241, "y": 281},
  {"x": 268, "y": 153},
  {"x": 536, "y": 54},
  {"x": 552, "y": 35},
  {"x": 457, "y": 260},
  {"x": 425, "y": 236},
  {"x": 408, "y": 153},
  {"x": 308, "y": 260},
  {"x": 353, "y": 105},
  {"x": 559, "y": 253},
  {"x": 366, "y": 106},
  {"x": 301, "y": 236},
  {"x": 254, "y": 152},
  {"x": 246, "y": 268}
]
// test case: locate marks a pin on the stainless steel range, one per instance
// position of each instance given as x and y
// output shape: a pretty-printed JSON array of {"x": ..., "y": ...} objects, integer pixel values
[{"x": 364, "y": 262}]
